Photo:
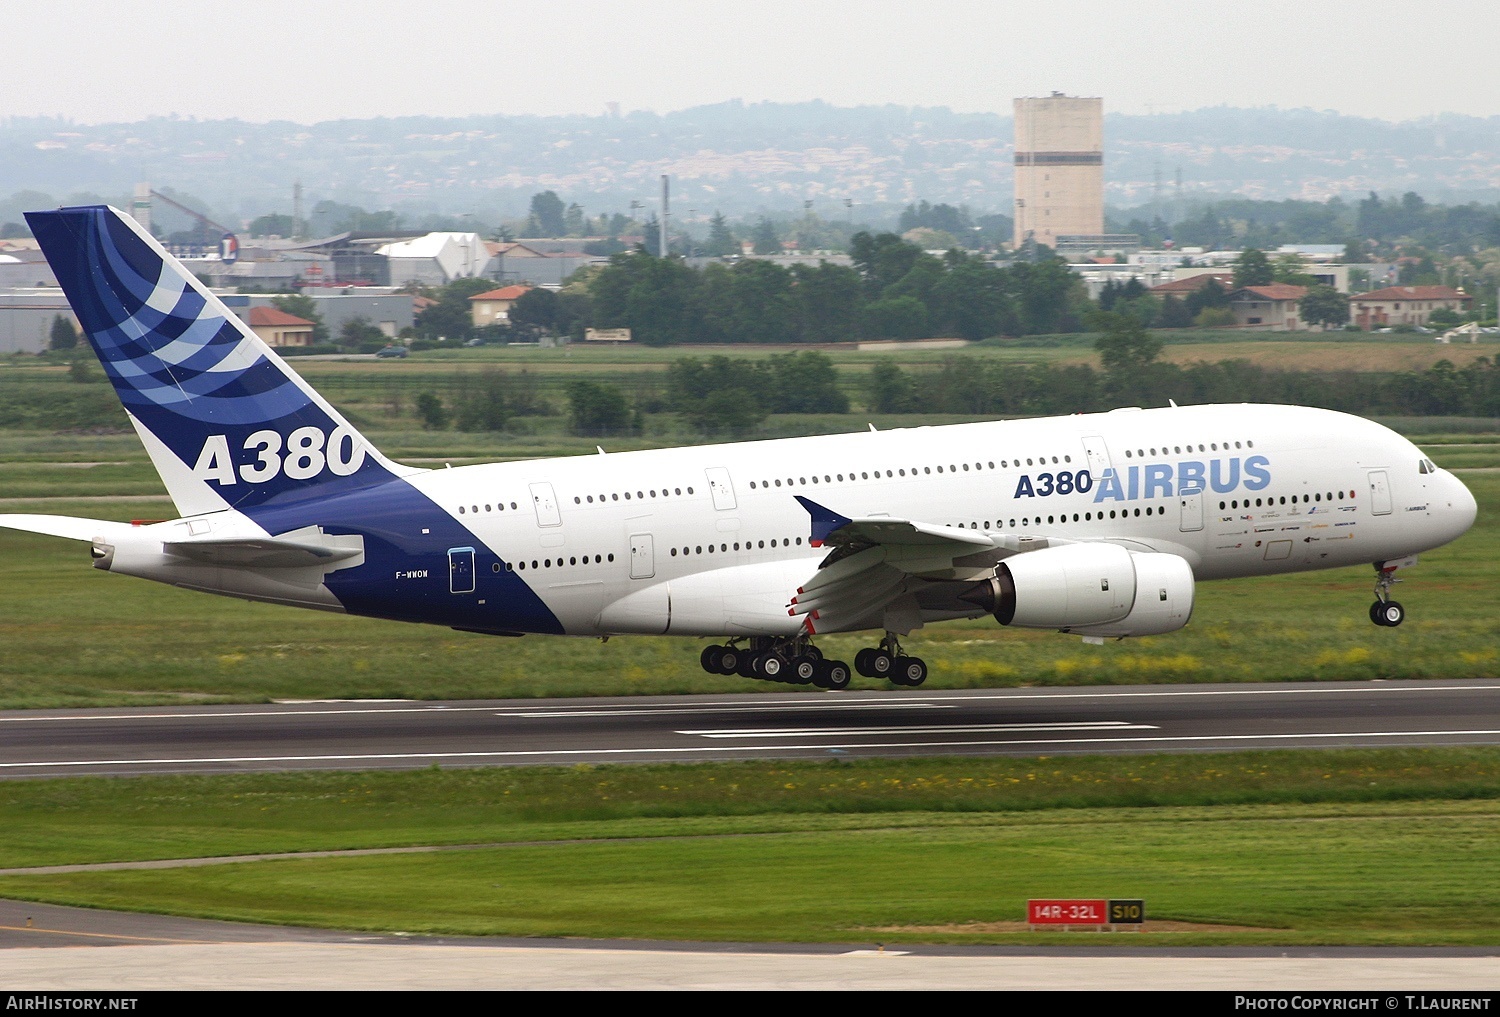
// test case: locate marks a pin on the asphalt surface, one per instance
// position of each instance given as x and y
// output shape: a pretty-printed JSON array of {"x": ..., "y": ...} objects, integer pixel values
[
  {"x": 114, "y": 952},
  {"x": 796, "y": 725}
]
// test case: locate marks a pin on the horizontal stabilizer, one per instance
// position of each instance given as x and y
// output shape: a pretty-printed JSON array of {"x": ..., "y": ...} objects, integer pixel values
[
  {"x": 71, "y": 527},
  {"x": 298, "y": 549}
]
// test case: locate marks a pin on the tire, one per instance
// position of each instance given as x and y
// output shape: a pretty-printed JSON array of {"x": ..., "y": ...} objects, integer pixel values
[
  {"x": 910, "y": 671},
  {"x": 746, "y": 668},
  {"x": 771, "y": 667},
  {"x": 803, "y": 671},
  {"x": 729, "y": 661},
  {"x": 1392, "y": 614},
  {"x": 862, "y": 662},
  {"x": 712, "y": 659},
  {"x": 834, "y": 675},
  {"x": 1376, "y": 610},
  {"x": 881, "y": 664}
]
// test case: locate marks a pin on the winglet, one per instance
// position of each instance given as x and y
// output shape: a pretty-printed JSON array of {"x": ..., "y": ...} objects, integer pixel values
[{"x": 824, "y": 520}]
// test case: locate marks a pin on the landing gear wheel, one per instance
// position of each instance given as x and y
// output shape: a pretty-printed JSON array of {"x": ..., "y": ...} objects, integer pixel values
[
  {"x": 804, "y": 670},
  {"x": 832, "y": 674},
  {"x": 862, "y": 662},
  {"x": 909, "y": 671},
  {"x": 1392, "y": 614},
  {"x": 1375, "y": 611},
  {"x": 770, "y": 667},
  {"x": 712, "y": 659},
  {"x": 745, "y": 666},
  {"x": 880, "y": 664},
  {"x": 729, "y": 661}
]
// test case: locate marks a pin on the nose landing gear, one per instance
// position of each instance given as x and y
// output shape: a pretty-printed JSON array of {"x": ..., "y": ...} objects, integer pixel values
[{"x": 1385, "y": 611}]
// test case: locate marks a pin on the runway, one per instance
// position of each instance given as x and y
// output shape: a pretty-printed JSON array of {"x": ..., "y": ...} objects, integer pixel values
[{"x": 787, "y": 725}]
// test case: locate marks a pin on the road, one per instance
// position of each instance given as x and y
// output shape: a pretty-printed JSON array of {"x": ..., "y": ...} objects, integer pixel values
[{"x": 792, "y": 725}]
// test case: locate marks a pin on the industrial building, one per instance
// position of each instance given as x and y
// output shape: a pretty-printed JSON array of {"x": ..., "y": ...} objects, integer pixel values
[{"x": 1060, "y": 171}]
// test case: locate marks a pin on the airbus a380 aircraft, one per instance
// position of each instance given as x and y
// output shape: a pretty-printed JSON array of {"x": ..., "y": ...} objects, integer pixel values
[{"x": 1097, "y": 525}]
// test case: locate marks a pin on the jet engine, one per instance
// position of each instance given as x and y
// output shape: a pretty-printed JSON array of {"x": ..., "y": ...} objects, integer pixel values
[{"x": 1091, "y": 590}]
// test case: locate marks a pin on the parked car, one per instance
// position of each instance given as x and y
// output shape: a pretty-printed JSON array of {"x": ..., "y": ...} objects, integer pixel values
[{"x": 392, "y": 351}]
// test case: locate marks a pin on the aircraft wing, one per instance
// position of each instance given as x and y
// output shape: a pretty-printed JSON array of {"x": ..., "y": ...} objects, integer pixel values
[{"x": 877, "y": 561}]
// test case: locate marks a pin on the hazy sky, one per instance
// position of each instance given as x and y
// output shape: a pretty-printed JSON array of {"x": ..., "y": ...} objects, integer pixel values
[{"x": 95, "y": 61}]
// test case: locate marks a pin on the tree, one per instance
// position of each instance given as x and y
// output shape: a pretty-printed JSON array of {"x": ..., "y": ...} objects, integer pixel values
[
  {"x": 537, "y": 306},
  {"x": 765, "y": 239},
  {"x": 1128, "y": 353},
  {"x": 1288, "y": 268},
  {"x": 361, "y": 336},
  {"x": 573, "y": 220},
  {"x": 717, "y": 396},
  {"x": 895, "y": 318},
  {"x": 431, "y": 410},
  {"x": 882, "y": 259},
  {"x": 1324, "y": 305},
  {"x": 1173, "y": 313},
  {"x": 891, "y": 390},
  {"x": 1210, "y": 295},
  {"x": 62, "y": 335},
  {"x": 971, "y": 299},
  {"x": 1252, "y": 268},
  {"x": 450, "y": 317},
  {"x": 1124, "y": 345},
  {"x": 276, "y": 224},
  {"x": 480, "y": 404},
  {"x": 805, "y": 382},
  {"x": 303, "y": 307},
  {"x": 546, "y": 218},
  {"x": 827, "y": 298},
  {"x": 721, "y": 241},
  {"x": 597, "y": 410}
]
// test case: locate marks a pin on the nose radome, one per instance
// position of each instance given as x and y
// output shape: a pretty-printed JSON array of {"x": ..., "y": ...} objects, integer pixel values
[{"x": 1461, "y": 505}]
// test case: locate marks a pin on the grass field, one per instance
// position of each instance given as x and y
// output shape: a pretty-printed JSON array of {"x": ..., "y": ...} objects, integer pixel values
[{"x": 1287, "y": 848}]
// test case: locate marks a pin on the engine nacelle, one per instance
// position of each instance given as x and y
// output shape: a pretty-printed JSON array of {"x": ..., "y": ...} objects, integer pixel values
[{"x": 1091, "y": 590}]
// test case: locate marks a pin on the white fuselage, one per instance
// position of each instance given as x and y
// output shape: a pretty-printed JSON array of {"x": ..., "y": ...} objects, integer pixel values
[{"x": 1235, "y": 490}]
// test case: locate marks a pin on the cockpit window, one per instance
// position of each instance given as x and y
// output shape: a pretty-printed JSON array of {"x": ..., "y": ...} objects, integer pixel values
[
  {"x": 1426, "y": 466},
  {"x": 1421, "y": 465}
]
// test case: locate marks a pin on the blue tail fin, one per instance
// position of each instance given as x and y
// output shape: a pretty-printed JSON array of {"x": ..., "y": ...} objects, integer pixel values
[{"x": 227, "y": 423}]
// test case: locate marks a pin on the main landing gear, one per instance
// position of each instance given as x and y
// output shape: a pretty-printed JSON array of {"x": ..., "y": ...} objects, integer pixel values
[
  {"x": 798, "y": 662},
  {"x": 887, "y": 661},
  {"x": 794, "y": 661},
  {"x": 1386, "y": 611}
]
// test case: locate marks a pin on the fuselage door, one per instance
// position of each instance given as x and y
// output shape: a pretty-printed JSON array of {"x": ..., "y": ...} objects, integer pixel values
[
  {"x": 1191, "y": 501},
  {"x": 460, "y": 570},
  {"x": 1380, "y": 493},
  {"x": 721, "y": 487},
  {"x": 545, "y": 503},
  {"x": 1098, "y": 455},
  {"x": 642, "y": 556}
]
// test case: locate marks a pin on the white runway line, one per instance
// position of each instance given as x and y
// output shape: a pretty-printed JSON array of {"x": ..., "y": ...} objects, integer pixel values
[
  {"x": 376, "y": 757},
  {"x": 813, "y": 732}
]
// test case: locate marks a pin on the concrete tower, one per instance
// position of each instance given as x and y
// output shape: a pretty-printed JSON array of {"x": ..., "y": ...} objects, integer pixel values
[{"x": 1059, "y": 168}]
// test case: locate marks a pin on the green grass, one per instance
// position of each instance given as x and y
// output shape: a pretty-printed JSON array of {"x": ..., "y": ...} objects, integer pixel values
[
  {"x": 1309, "y": 847},
  {"x": 80, "y": 820},
  {"x": 71, "y": 635}
]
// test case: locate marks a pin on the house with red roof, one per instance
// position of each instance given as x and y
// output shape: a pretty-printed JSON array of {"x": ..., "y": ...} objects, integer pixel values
[
  {"x": 277, "y": 328},
  {"x": 492, "y": 307},
  {"x": 1404, "y": 305},
  {"x": 1272, "y": 308},
  {"x": 1182, "y": 288}
]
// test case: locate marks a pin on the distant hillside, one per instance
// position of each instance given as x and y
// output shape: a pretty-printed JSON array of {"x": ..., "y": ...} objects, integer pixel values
[{"x": 741, "y": 158}]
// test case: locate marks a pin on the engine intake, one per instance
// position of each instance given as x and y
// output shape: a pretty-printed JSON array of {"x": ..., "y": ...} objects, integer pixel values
[{"x": 1091, "y": 590}]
